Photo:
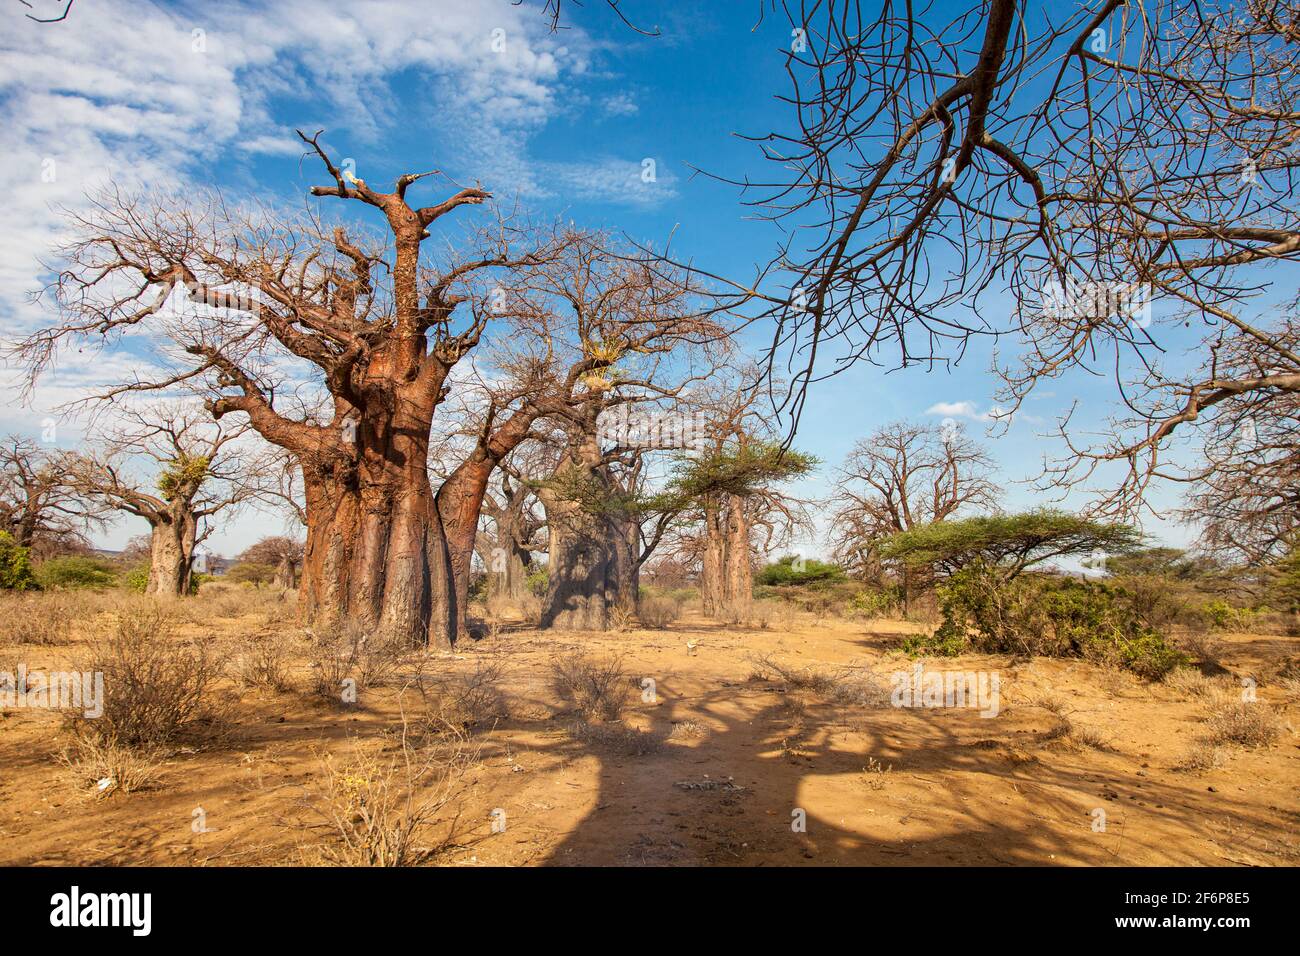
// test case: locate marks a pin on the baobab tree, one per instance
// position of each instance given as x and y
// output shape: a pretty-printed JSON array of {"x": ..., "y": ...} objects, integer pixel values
[
  {"x": 731, "y": 483},
  {"x": 376, "y": 330},
  {"x": 280, "y": 552},
  {"x": 194, "y": 473},
  {"x": 902, "y": 476},
  {"x": 619, "y": 333}
]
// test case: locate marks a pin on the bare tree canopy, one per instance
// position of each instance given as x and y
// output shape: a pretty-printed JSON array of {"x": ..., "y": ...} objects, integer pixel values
[
  {"x": 900, "y": 477},
  {"x": 1121, "y": 171}
]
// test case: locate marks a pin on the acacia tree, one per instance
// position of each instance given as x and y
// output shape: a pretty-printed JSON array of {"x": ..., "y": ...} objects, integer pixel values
[
  {"x": 373, "y": 328},
  {"x": 39, "y": 504},
  {"x": 902, "y": 476},
  {"x": 195, "y": 474}
]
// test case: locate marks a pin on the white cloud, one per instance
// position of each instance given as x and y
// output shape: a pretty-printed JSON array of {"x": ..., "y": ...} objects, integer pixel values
[
  {"x": 146, "y": 94},
  {"x": 962, "y": 409}
]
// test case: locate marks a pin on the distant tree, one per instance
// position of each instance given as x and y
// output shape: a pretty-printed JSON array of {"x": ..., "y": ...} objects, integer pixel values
[
  {"x": 734, "y": 482},
  {"x": 903, "y": 476},
  {"x": 195, "y": 475},
  {"x": 39, "y": 504},
  {"x": 282, "y": 555},
  {"x": 792, "y": 569}
]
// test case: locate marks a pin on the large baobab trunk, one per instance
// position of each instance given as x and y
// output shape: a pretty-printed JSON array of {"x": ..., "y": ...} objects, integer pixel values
[
  {"x": 171, "y": 554},
  {"x": 738, "y": 587},
  {"x": 371, "y": 527},
  {"x": 586, "y": 572},
  {"x": 712, "y": 559}
]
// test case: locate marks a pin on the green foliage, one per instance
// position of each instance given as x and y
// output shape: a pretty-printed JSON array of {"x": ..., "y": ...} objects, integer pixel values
[
  {"x": 876, "y": 602},
  {"x": 1009, "y": 543},
  {"x": 793, "y": 570},
  {"x": 741, "y": 471},
  {"x": 538, "y": 581},
  {"x": 1042, "y": 614},
  {"x": 15, "y": 566},
  {"x": 1285, "y": 589},
  {"x": 137, "y": 579},
  {"x": 1227, "y": 617},
  {"x": 1170, "y": 563},
  {"x": 183, "y": 476},
  {"x": 75, "y": 572}
]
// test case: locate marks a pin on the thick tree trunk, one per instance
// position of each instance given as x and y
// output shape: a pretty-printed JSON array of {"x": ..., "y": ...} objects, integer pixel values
[
  {"x": 712, "y": 592},
  {"x": 171, "y": 554},
  {"x": 585, "y": 584},
  {"x": 508, "y": 565},
  {"x": 738, "y": 571},
  {"x": 371, "y": 528},
  {"x": 286, "y": 573}
]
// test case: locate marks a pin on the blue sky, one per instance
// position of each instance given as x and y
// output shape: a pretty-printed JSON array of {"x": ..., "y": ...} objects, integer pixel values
[{"x": 185, "y": 95}]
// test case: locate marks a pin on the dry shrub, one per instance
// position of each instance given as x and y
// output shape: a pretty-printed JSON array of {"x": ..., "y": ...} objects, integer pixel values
[
  {"x": 618, "y": 738},
  {"x": 658, "y": 612},
  {"x": 1203, "y": 647},
  {"x": 377, "y": 808},
  {"x": 40, "y": 618},
  {"x": 686, "y": 730},
  {"x": 463, "y": 702},
  {"x": 530, "y": 609},
  {"x": 593, "y": 689},
  {"x": 263, "y": 662},
  {"x": 840, "y": 686},
  {"x": 764, "y": 613},
  {"x": 158, "y": 691},
  {"x": 1202, "y": 755},
  {"x": 1192, "y": 683},
  {"x": 1064, "y": 727},
  {"x": 107, "y": 768},
  {"x": 1245, "y": 723},
  {"x": 348, "y": 651}
]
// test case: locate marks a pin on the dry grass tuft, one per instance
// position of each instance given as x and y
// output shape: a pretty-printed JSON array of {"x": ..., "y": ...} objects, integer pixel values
[
  {"x": 1244, "y": 723},
  {"x": 347, "y": 656},
  {"x": 658, "y": 612},
  {"x": 107, "y": 768},
  {"x": 379, "y": 808},
  {"x": 263, "y": 662}
]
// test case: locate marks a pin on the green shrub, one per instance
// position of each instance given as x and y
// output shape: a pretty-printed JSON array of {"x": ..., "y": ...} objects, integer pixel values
[
  {"x": 15, "y": 566},
  {"x": 137, "y": 579},
  {"x": 251, "y": 572},
  {"x": 1224, "y": 616},
  {"x": 1051, "y": 616},
  {"x": 795, "y": 570},
  {"x": 75, "y": 572},
  {"x": 538, "y": 581}
]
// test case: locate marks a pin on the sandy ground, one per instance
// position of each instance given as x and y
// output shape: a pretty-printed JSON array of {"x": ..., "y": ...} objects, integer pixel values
[{"x": 730, "y": 764}]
